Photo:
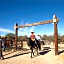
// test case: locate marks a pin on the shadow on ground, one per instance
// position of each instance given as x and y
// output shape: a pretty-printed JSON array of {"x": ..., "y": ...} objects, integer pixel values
[
  {"x": 61, "y": 52},
  {"x": 16, "y": 55},
  {"x": 26, "y": 51},
  {"x": 7, "y": 53},
  {"x": 46, "y": 50}
]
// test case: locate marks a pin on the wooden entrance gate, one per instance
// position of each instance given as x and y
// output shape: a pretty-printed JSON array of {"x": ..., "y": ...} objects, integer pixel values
[{"x": 55, "y": 21}]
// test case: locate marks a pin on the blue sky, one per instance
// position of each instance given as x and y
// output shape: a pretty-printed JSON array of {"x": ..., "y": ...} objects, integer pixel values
[{"x": 30, "y": 11}]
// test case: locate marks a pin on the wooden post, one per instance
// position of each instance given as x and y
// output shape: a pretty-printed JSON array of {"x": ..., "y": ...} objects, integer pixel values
[
  {"x": 16, "y": 36},
  {"x": 56, "y": 38},
  {"x": 22, "y": 45},
  {"x": 1, "y": 55},
  {"x": 55, "y": 35}
]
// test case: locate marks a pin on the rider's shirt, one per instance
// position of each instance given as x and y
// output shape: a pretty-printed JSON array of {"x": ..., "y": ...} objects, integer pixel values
[{"x": 32, "y": 36}]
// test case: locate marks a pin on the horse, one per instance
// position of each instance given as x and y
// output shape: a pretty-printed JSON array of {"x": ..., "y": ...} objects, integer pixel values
[{"x": 34, "y": 44}]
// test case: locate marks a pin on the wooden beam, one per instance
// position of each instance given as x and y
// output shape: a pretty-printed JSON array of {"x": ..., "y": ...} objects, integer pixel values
[
  {"x": 56, "y": 38},
  {"x": 35, "y": 24},
  {"x": 16, "y": 36},
  {"x": 55, "y": 34}
]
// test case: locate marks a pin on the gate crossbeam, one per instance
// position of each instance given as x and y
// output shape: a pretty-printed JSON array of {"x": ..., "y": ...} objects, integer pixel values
[{"x": 35, "y": 24}]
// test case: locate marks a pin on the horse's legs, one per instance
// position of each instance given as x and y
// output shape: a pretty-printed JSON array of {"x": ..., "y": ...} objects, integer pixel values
[
  {"x": 37, "y": 50},
  {"x": 37, "y": 46},
  {"x": 32, "y": 52}
]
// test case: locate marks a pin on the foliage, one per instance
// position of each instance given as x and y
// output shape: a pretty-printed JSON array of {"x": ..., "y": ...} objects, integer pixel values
[
  {"x": 51, "y": 38},
  {"x": 61, "y": 38},
  {"x": 22, "y": 38},
  {"x": 44, "y": 37},
  {"x": 10, "y": 36}
]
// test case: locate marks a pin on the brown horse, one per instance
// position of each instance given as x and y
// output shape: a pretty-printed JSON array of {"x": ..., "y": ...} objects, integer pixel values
[{"x": 34, "y": 44}]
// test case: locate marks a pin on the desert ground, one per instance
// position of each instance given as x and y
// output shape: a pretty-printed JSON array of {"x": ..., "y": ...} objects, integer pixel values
[{"x": 46, "y": 56}]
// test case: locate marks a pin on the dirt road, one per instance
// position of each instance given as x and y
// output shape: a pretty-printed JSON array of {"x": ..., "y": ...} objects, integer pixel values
[{"x": 45, "y": 57}]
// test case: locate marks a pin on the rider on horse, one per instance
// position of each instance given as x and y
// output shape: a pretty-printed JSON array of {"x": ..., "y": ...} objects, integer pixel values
[
  {"x": 36, "y": 40},
  {"x": 33, "y": 38},
  {"x": 34, "y": 43}
]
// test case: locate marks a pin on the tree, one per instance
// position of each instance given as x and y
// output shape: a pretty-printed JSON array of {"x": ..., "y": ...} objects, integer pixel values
[
  {"x": 51, "y": 38},
  {"x": 22, "y": 37},
  {"x": 62, "y": 38},
  {"x": 10, "y": 36},
  {"x": 44, "y": 37}
]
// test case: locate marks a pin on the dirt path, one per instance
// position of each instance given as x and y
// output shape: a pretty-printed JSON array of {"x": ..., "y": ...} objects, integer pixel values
[{"x": 44, "y": 58}]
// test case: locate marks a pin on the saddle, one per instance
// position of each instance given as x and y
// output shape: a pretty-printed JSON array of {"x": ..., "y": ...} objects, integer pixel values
[{"x": 32, "y": 39}]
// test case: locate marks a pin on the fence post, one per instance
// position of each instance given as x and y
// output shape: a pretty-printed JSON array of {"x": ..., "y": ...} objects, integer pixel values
[
  {"x": 55, "y": 35},
  {"x": 1, "y": 55},
  {"x": 21, "y": 44},
  {"x": 16, "y": 36}
]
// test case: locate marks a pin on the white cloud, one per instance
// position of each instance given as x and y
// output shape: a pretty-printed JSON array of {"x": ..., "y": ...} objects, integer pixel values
[
  {"x": 23, "y": 22},
  {"x": 6, "y": 30},
  {"x": 25, "y": 31},
  {"x": 32, "y": 29},
  {"x": 21, "y": 31}
]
